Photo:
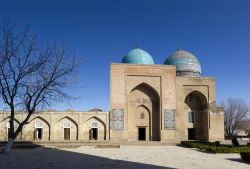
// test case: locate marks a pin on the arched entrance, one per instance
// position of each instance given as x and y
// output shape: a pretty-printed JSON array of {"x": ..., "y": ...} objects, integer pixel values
[
  {"x": 66, "y": 129},
  {"x": 196, "y": 107},
  {"x": 143, "y": 113},
  {"x": 5, "y": 129},
  {"x": 94, "y": 129},
  {"x": 40, "y": 128},
  {"x": 143, "y": 118}
]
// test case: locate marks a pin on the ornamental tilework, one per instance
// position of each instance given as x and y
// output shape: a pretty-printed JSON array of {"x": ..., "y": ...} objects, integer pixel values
[
  {"x": 184, "y": 64},
  {"x": 117, "y": 119},
  {"x": 169, "y": 119}
]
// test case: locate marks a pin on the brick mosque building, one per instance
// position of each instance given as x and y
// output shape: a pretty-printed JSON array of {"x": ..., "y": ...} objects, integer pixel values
[{"x": 167, "y": 102}]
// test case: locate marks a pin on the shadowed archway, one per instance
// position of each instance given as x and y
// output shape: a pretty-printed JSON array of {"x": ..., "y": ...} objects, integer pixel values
[{"x": 197, "y": 115}]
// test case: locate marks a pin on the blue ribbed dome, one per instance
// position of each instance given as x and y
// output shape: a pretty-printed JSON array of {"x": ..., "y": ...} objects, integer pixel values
[
  {"x": 186, "y": 63},
  {"x": 138, "y": 56}
]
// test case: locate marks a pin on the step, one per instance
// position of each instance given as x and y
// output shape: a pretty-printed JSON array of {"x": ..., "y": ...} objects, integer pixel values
[{"x": 107, "y": 146}]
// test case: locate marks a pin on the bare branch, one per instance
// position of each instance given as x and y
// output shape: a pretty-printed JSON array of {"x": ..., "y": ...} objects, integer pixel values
[
  {"x": 236, "y": 111},
  {"x": 31, "y": 76}
]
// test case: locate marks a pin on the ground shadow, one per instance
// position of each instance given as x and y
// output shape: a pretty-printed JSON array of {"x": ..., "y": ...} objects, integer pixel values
[
  {"x": 238, "y": 160},
  {"x": 50, "y": 158}
]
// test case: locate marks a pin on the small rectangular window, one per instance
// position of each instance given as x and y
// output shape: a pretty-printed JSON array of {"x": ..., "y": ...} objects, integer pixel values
[
  {"x": 38, "y": 124},
  {"x": 94, "y": 125},
  {"x": 191, "y": 117},
  {"x": 66, "y": 124}
]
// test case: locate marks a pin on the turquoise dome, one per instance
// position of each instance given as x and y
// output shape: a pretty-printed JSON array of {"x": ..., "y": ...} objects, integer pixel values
[
  {"x": 186, "y": 63},
  {"x": 138, "y": 56}
]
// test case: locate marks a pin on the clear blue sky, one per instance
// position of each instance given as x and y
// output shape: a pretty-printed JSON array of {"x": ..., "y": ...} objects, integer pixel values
[{"x": 102, "y": 32}]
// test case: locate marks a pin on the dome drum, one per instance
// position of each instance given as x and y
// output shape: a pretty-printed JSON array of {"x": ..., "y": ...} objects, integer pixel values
[{"x": 188, "y": 73}]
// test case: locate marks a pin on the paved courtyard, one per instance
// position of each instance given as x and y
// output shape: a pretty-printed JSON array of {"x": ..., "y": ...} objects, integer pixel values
[{"x": 127, "y": 157}]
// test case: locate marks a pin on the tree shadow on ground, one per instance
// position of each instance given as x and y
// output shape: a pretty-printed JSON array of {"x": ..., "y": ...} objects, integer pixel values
[
  {"x": 238, "y": 160},
  {"x": 50, "y": 158}
]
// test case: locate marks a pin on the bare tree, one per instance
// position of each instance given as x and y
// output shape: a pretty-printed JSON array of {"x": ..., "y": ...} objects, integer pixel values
[
  {"x": 31, "y": 76},
  {"x": 236, "y": 111},
  {"x": 246, "y": 125}
]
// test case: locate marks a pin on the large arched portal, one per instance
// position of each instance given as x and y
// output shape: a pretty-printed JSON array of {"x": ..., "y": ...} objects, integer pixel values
[
  {"x": 196, "y": 107},
  {"x": 143, "y": 113}
]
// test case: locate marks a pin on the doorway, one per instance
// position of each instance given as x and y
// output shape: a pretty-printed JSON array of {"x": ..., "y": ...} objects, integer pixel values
[
  {"x": 142, "y": 133},
  {"x": 191, "y": 134},
  {"x": 66, "y": 133},
  {"x": 39, "y": 133},
  {"x": 93, "y": 134}
]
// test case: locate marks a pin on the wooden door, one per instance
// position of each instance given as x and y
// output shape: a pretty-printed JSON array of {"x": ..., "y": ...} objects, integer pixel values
[{"x": 66, "y": 133}]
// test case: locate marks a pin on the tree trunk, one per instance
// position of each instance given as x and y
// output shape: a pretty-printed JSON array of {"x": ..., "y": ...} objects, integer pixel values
[
  {"x": 14, "y": 134},
  {"x": 11, "y": 134},
  {"x": 7, "y": 148}
]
